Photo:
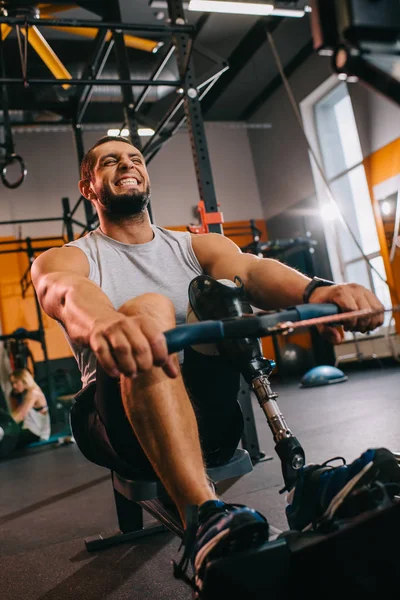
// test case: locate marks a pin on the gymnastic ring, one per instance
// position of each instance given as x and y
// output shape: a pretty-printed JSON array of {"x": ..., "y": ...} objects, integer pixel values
[{"x": 9, "y": 160}]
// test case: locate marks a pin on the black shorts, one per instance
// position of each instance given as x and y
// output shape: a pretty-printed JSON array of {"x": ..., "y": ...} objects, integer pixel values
[{"x": 105, "y": 436}]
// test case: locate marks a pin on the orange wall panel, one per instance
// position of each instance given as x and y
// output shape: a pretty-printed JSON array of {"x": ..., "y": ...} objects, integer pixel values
[{"x": 380, "y": 166}]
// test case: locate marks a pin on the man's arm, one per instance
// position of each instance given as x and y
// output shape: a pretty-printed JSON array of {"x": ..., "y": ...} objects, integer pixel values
[
  {"x": 121, "y": 344},
  {"x": 269, "y": 284},
  {"x": 20, "y": 412},
  {"x": 272, "y": 285},
  {"x": 60, "y": 277}
]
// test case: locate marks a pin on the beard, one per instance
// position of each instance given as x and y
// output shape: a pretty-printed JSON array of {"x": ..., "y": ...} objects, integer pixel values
[{"x": 121, "y": 207}]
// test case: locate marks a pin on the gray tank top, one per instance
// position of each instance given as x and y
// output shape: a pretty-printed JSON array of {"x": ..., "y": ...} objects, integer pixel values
[{"x": 165, "y": 265}]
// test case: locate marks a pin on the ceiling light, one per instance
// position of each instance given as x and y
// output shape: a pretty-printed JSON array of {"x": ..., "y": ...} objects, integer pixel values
[
  {"x": 145, "y": 131},
  {"x": 238, "y": 8},
  {"x": 287, "y": 12},
  {"x": 244, "y": 8},
  {"x": 386, "y": 208},
  {"x": 142, "y": 131},
  {"x": 118, "y": 132}
]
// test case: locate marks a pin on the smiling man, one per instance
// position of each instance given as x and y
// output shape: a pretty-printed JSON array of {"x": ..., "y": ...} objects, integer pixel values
[{"x": 115, "y": 291}]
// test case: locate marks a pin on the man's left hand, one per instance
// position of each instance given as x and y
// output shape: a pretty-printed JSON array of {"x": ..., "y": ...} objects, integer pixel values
[{"x": 349, "y": 297}]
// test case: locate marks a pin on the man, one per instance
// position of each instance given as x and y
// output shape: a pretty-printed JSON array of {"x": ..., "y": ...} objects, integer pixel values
[{"x": 115, "y": 292}]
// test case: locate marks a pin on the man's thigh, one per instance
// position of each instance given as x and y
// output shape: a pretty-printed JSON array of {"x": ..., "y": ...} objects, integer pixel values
[{"x": 105, "y": 436}]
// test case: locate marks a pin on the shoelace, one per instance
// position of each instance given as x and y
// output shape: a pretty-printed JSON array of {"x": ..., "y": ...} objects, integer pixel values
[
  {"x": 189, "y": 539},
  {"x": 326, "y": 463}
]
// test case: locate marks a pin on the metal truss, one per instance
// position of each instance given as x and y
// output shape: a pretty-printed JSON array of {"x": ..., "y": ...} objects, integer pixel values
[{"x": 185, "y": 107}]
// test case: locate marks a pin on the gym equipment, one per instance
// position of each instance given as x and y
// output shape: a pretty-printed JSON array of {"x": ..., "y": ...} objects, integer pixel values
[
  {"x": 359, "y": 551},
  {"x": 9, "y": 433},
  {"x": 294, "y": 359},
  {"x": 134, "y": 496},
  {"x": 10, "y": 157},
  {"x": 323, "y": 375}
]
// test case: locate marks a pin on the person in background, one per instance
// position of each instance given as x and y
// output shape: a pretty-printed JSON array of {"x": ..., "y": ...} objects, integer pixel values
[{"x": 29, "y": 408}]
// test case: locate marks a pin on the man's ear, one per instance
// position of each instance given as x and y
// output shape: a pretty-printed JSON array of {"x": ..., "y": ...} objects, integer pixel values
[{"x": 86, "y": 190}]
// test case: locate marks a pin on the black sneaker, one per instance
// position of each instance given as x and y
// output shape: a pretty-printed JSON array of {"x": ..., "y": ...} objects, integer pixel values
[
  {"x": 323, "y": 491},
  {"x": 216, "y": 530}
]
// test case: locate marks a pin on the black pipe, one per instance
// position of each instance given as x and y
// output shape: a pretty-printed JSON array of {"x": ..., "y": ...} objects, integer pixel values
[
  {"x": 78, "y": 202},
  {"x": 110, "y": 82},
  {"x": 67, "y": 218},
  {"x": 150, "y": 28},
  {"x": 92, "y": 69},
  {"x": 16, "y": 221},
  {"x": 128, "y": 100},
  {"x": 80, "y": 150},
  {"x": 50, "y": 388},
  {"x": 151, "y": 151},
  {"x": 42, "y": 239},
  {"x": 154, "y": 77},
  {"x": 78, "y": 223},
  {"x": 48, "y": 238},
  {"x": 176, "y": 105},
  {"x": 36, "y": 249}
]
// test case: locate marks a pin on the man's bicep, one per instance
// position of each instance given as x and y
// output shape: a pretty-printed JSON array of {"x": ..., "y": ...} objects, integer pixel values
[
  {"x": 58, "y": 260},
  {"x": 221, "y": 258}
]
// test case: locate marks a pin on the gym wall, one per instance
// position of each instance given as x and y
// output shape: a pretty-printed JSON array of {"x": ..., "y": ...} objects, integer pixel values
[
  {"x": 282, "y": 162},
  {"x": 53, "y": 173},
  {"x": 382, "y": 167},
  {"x": 280, "y": 154}
]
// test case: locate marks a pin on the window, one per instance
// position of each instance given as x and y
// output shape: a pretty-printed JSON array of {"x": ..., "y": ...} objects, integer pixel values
[{"x": 330, "y": 123}]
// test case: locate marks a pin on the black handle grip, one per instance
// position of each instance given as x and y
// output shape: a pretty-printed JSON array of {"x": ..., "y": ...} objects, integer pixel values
[{"x": 206, "y": 332}]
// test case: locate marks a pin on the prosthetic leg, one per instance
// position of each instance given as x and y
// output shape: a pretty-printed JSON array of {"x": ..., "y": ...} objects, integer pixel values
[{"x": 212, "y": 299}]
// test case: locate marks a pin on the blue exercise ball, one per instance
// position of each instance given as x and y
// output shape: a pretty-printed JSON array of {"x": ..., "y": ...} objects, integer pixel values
[{"x": 323, "y": 375}]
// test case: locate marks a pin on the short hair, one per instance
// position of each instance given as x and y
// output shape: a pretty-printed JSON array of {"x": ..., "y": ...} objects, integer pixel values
[{"x": 88, "y": 161}]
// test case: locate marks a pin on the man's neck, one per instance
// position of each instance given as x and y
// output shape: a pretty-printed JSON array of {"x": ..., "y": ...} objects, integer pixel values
[{"x": 136, "y": 230}]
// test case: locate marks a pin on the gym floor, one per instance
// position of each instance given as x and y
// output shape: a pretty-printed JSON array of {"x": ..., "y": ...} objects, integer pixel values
[{"x": 52, "y": 498}]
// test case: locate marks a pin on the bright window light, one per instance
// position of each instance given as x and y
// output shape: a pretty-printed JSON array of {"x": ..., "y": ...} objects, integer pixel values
[
  {"x": 386, "y": 208},
  {"x": 330, "y": 212},
  {"x": 238, "y": 8},
  {"x": 142, "y": 131}
]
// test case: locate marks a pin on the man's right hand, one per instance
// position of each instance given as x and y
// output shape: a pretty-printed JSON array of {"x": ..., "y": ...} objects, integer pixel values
[{"x": 130, "y": 345}]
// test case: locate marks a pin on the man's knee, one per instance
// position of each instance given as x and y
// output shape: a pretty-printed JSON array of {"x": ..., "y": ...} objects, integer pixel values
[{"x": 155, "y": 305}]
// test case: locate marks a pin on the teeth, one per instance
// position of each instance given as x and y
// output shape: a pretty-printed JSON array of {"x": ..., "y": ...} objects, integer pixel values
[{"x": 131, "y": 181}]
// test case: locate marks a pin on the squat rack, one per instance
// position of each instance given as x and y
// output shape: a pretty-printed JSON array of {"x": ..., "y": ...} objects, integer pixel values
[{"x": 38, "y": 335}]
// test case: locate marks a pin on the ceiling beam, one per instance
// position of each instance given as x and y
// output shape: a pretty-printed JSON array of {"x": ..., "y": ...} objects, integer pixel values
[
  {"x": 238, "y": 59},
  {"x": 276, "y": 82}
]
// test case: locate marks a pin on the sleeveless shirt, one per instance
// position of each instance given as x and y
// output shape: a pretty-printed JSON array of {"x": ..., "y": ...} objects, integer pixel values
[{"x": 165, "y": 265}]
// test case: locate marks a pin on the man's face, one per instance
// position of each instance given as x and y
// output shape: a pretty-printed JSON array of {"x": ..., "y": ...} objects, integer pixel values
[{"x": 120, "y": 180}]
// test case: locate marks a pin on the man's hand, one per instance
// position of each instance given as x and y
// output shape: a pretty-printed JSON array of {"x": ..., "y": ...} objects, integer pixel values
[
  {"x": 130, "y": 345},
  {"x": 349, "y": 297}
]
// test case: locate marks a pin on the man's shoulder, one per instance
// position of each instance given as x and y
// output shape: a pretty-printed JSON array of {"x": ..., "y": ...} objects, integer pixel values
[
  {"x": 172, "y": 233},
  {"x": 84, "y": 241}
]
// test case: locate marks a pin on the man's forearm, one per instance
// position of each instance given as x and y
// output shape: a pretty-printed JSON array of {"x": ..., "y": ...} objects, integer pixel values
[
  {"x": 76, "y": 302},
  {"x": 271, "y": 284}
]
